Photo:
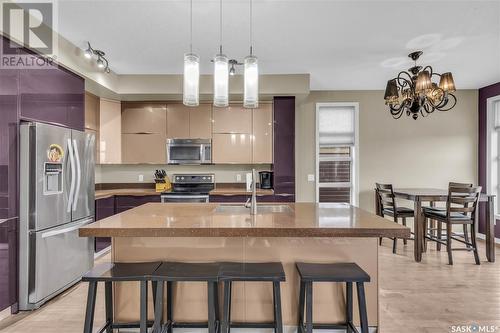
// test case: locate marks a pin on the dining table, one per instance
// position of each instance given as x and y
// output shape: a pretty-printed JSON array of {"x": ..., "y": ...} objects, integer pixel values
[{"x": 420, "y": 196}]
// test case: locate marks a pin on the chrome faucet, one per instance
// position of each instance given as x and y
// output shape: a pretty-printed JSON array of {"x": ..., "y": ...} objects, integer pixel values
[{"x": 252, "y": 202}]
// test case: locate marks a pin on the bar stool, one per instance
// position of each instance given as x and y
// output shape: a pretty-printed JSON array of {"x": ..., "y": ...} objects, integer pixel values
[
  {"x": 251, "y": 272},
  {"x": 171, "y": 272},
  {"x": 339, "y": 272},
  {"x": 118, "y": 272}
]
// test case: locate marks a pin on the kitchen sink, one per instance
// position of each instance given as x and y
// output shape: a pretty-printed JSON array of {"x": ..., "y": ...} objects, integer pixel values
[{"x": 261, "y": 209}]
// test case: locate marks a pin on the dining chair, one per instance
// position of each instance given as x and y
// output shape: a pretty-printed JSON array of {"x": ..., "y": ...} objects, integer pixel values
[
  {"x": 387, "y": 205},
  {"x": 436, "y": 229},
  {"x": 461, "y": 209}
]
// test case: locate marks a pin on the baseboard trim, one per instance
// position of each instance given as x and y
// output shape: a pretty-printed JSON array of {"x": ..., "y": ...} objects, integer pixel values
[{"x": 286, "y": 329}]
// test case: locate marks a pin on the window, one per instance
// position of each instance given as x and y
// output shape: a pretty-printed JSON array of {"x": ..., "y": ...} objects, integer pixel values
[
  {"x": 336, "y": 152},
  {"x": 493, "y": 150}
]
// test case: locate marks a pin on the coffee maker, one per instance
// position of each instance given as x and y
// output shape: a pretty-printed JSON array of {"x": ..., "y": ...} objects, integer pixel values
[{"x": 266, "y": 179}]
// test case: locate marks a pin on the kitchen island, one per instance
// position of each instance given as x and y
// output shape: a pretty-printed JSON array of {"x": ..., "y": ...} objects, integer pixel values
[{"x": 205, "y": 232}]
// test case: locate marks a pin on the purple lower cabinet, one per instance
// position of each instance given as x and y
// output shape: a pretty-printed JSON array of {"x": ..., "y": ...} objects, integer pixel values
[
  {"x": 103, "y": 208},
  {"x": 284, "y": 146},
  {"x": 8, "y": 263}
]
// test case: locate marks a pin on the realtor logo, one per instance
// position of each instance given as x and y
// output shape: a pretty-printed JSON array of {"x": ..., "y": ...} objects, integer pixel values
[{"x": 31, "y": 24}]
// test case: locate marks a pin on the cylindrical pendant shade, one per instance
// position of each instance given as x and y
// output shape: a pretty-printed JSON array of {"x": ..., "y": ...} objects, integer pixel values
[
  {"x": 446, "y": 83},
  {"x": 423, "y": 84},
  {"x": 251, "y": 85},
  {"x": 191, "y": 89},
  {"x": 221, "y": 80}
]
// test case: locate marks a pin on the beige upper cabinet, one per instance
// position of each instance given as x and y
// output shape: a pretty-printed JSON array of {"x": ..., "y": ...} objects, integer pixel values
[
  {"x": 200, "y": 122},
  {"x": 91, "y": 112},
  {"x": 137, "y": 118},
  {"x": 177, "y": 121},
  {"x": 110, "y": 132},
  {"x": 262, "y": 147},
  {"x": 184, "y": 122},
  {"x": 232, "y": 148},
  {"x": 143, "y": 148},
  {"x": 232, "y": 119}
]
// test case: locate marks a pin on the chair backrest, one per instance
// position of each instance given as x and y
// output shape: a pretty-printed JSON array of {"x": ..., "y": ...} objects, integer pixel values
[
  {"x": 463, "y": 199},
  {"x": 385, "y": 196}
]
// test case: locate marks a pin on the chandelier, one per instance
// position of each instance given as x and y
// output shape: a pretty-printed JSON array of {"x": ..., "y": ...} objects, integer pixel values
[{"x": 413, "y": 92}]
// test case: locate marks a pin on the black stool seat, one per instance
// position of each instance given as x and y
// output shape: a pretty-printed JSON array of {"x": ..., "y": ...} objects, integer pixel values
[
  {"x": 183, "y": 271},
  {"x": 338, "y": 272},
  {"x": 238, "y": 271},
  {"x": 121, "y": 272},
  {"x": 109, "y": 273},
  {"x": 348, "y": 273}
]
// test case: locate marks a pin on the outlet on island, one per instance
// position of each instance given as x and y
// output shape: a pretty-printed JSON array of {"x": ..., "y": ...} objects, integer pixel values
[
  {"x": 238, "y": 177},
  {"x": 141, "y": 178}
]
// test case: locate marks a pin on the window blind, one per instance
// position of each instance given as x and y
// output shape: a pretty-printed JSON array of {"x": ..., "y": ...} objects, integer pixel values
[{"x": 336, "y": 126}]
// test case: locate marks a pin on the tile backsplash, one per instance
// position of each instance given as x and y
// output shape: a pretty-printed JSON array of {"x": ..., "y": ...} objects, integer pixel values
[{"x": 132, "y": 173}]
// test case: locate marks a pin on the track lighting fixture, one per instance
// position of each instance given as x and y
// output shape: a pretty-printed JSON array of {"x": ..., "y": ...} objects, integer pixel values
[{"x": 102, "y": 62}]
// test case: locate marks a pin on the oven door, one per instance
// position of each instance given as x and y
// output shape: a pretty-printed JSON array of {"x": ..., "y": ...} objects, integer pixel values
[
  {"x": 184, "y": 198},
  {"x": 184, "y": 154}
]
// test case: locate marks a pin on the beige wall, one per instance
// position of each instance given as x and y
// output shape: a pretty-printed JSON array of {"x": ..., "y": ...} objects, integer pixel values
[{"x": 427, "y": 152}]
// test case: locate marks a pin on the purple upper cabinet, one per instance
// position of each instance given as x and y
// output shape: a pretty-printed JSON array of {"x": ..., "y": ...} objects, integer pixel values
[
  {"x": 53, "y": 95},
  {"x": 284, "y": 148}
]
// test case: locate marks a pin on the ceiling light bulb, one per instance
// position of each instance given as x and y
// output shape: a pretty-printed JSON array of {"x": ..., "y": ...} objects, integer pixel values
[
  {"x": 88, "y": 53},
  {"x": 232, "y": 71},
  {"x": 100, "y": 63}
]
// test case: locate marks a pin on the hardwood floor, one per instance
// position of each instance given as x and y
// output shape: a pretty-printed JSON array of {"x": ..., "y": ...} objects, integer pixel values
[{"x": 426, "y": 297}]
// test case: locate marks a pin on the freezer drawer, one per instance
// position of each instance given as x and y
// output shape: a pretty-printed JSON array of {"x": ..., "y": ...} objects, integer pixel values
[{"x": 58, "y": 257}]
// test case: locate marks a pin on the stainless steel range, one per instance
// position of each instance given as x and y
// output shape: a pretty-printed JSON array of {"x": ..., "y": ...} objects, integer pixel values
[{"x": 190, "y": 188}]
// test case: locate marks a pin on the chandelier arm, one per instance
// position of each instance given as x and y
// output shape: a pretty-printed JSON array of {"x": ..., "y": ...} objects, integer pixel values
[
  {"x": 453, "y": 100},
  {"x": 396, "y": 112},
  {"x": 402, "y": 81},
  {"x": 429, "y": 69}
]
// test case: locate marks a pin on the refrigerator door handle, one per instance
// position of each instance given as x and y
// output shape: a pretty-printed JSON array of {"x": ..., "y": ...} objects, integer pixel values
[
  {"x": 65, "y": 230},
  {"x": 79, "y": 175},
  {"x": 73, "y": 175}
]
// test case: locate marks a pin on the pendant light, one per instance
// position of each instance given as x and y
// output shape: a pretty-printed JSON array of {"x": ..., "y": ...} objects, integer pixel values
[
  {"x": 191, "y": 86},
  {"x": 251, "y": 74},
  {"x": 221, "y": 73}
]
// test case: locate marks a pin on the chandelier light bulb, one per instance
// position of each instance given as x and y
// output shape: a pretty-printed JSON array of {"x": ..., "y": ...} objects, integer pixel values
[{"x": 100, "y": 63}]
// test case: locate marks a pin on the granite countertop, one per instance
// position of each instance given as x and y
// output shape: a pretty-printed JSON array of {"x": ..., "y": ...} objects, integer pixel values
[
  {"x": 226, "y": 190},
  {"x": 204, "y": 220}
]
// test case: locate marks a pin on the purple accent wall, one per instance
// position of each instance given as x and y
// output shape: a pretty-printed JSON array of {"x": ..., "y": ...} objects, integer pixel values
[
  {"x": 9, "y": 92},
  {"x": 484, "y": 94},
  {"x": 47, "y": 95},
  {"x": 284, "y": 147}
]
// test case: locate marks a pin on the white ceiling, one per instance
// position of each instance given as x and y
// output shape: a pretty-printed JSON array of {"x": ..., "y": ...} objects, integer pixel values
[{"x": 343, "y": 44}]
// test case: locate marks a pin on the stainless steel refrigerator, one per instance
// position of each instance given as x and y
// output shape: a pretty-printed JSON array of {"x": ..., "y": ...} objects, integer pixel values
[{"x": 56, "y": 199}]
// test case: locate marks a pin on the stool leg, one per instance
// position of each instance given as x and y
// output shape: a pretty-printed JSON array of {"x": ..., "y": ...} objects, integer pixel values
[
  {"x": 348, "y": 305},
  {"x": 404, "y": 223},
  {"x": 363, "y": 317},
  {"x": 170, "y": 310},
  {"x": 89, "y": 313},
  {"x": 309, "y": 307},
  {"x": 302, "y": 296},
  {"x": 448, "y": 243},
  {"x": 439, "y": 235},
  {"x": 144, "y": 307},
  {"x": 215, "y": 286},
  {"x": 211, "y": 307},
  {"x": 226, "y": 311},
  {"x": 158, "y": 292},
  {"x": 108, "y": 296},
  {"x": 278, "y": 321}
]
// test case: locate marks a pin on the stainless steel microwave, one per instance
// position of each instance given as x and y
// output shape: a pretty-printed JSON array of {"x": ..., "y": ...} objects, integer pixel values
[{"x": 189, "y": 151}]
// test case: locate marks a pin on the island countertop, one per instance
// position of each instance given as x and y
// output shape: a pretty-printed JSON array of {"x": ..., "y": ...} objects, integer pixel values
[{"x": 205, "y": 220}]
